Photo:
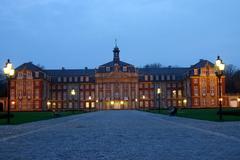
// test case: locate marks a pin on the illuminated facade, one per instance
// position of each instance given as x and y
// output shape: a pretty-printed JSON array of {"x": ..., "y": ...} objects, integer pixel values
[{"x": 114, "y": 85}]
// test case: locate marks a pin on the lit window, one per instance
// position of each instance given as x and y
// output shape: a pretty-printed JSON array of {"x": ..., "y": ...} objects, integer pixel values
[
  {"x": 87, "y": 105},
  {"x": 179, "y": 93},
  {"x": 195, "y": 72},
  {"x": 20, "y": 75},
  {"x": 92, "y": 104}
]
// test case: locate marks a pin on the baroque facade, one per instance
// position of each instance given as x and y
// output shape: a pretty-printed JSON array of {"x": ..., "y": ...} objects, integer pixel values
[{"x": 114, "y": 85}]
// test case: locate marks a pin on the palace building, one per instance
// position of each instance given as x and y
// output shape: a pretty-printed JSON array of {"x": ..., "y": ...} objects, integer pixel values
[{"x": 114, "y": 85}]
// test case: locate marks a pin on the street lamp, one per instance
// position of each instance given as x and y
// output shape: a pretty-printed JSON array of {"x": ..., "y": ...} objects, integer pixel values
[
  {"x": 185, "y": 102},
  {"x": 159, "y": 96},
  {"x": 9, "y": 72},
  {"x": 73, "y": 93},
  {"x": 48, "y": 104},
  {"x": 219, "y": 69},
  {"x": 143, "y": 97}
]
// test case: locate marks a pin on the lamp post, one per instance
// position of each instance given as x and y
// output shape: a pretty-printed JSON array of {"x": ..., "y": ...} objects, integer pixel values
[
  {"x": 143, "y": 97},
  {"x": 219, "y": 69},
  {"x": 159, "y": 96},
  {"x": 90, "y": 103},
  {"x": 48, "y": 105},
  {"x": 9, "y": 73},
  {"x": 185, "y": 102},
  {"x": 73, "y": 93}
]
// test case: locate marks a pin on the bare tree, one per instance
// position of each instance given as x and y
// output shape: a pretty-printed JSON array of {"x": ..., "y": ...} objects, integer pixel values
[
  {"x": 153, "y": 65},
  {"x": 229, "y": 73}
]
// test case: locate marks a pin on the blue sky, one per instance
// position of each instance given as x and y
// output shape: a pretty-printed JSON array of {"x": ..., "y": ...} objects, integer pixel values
[{"x": 75, "y": 34}]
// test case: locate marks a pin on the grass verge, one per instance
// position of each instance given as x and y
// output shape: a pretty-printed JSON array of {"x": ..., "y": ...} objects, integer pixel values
[
  {"x": 209, "y": 114},
  {"x": 25, "y": 117}
]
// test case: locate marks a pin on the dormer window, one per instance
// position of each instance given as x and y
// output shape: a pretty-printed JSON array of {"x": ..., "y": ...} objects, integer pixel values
[
  {"x": 124, "y": 68},
  {"x": 75, "y": 79},
  {"x": 59, "y": 79},
  {"x": 37, "y": 74},
  {"x": 64, "y": 79},
  {"x": 107, "y": 69},
  {"x": 87, "y": 78},
  {"x": 195, "y": 72},
  {"x": 146, "y": 77}
]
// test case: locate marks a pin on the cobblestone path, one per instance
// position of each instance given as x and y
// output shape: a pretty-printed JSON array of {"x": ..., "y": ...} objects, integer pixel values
[{"x": 120, "y": 135}]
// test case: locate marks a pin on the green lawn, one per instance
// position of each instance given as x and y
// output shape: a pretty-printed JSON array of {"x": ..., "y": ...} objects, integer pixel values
[
  {"x": 24, "y": 117},
  {"x": 202, "y": 114}
]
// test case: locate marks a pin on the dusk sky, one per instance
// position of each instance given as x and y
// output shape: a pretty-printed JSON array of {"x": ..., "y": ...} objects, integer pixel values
[{"x": 79, "y": 33}]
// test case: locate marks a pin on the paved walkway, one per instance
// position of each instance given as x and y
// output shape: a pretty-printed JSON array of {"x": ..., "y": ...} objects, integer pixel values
[{"x": 120, "y": 135}]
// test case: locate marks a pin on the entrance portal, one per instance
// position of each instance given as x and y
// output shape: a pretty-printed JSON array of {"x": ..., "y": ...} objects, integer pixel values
[{"x": 117, "y": 105}]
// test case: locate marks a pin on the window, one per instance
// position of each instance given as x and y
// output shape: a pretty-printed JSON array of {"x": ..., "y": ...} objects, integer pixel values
[
  {"x": 151, "y": 77},
  {"x": 36, "y": 93},
  {"x": 195, "y": 90},
  {"x": 179, "y": 93},
  {"x": 195, "y": 101},
  {"x": 124, "y": 68},
  {"x": 107, "y": 69},
  {"x": 162, "y": 77},
  {"x": 195, "y": 81},
  {"x": 87, "y": 78},
  {"x": 212, "y": 102},
  {"x": 204, "y": 91},
  {"x": 64, "y": 79},
  {"x": 59, "y": 79},
  {"x": 157, "y": 78},
  {"x": 168, "y": 77},
  {"x": 75, "y": 79},
  {"x": 37, "y": 74},
  {"x": 195, "y": 72},
  {"x": 29, "y": 74},
  {"x": 81, "y": 78},
  {"x": 173, "y": 77},
  {"x": 87, "y": 105},
  {"x": 93, "y": 105},
  {"x": 146, "y": 77},
  {"x": 70, "y": 79},
  {"x": 20, "y": 75}
]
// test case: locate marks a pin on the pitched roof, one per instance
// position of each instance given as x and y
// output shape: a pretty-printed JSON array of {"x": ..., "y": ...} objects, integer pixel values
[
  {"x": 69, "y": 72},
  {"x": 178, "y": 72},
  {"x": 202, "y": 63},
  {"x": 29, "y": 66}
]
